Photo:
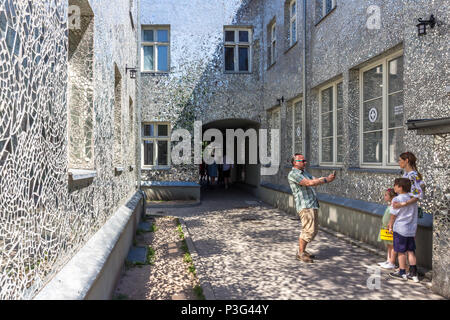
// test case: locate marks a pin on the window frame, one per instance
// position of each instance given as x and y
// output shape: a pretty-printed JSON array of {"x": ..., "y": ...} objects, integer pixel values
[
  {"x": 324, "y": 7},
  {"x": 384, "y": 164},
  {"x": 335, "y": 136},
  {"x": 155, "y": 45},
  {"x": 291, "y": 19},
  {"x": 294, "y": 133},
  {"x": 155, "y": 139},
  {"x": 236, "y": 44},
  {"x": 273, "y": 42}
]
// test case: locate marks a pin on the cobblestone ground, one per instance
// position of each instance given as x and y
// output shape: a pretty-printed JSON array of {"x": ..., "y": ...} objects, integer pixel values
[
  {"x": 168, "y": 278},
  {"x": 246, "y": 250}
]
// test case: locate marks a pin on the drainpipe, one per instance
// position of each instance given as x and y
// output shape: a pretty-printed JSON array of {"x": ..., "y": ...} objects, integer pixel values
[{"x": 304, "y": 131}]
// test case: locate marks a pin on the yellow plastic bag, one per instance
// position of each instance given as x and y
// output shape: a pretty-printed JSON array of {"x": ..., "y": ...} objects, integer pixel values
[{"x": 386, "y": 235}]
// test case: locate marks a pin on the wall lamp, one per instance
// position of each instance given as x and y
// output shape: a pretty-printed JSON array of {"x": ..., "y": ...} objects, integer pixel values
[
  {"x": 422, "y": 26},
  {"x": 281, "y": 100},
  {"x": 132, "y": 72}
]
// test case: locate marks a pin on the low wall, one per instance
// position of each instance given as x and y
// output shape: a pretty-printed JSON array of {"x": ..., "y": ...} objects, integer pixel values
[
  {"x": 357, "y": 219},
  {"x": 171, "y": 190},
  {"x": 92, "y": 274}
]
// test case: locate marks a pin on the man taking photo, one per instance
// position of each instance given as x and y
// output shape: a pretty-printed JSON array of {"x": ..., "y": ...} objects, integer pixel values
[{"x": 307, "y": 206}]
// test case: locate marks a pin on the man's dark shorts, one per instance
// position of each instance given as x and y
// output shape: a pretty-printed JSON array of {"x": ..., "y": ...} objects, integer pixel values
[
  {"x": 226, "y": 174},
  {"x": 403, "y": 244}
]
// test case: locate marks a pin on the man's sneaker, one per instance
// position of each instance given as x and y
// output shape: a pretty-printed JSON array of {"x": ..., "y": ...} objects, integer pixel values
[
  {"x": 396, "y": 275},
  {"x": 414, "y": 278},
  {"x": 304, "y": 257},
  {"x": 382, "y": 263},
  {"x": 310, "y": 255},
  {"x": 387, "y": 265}
]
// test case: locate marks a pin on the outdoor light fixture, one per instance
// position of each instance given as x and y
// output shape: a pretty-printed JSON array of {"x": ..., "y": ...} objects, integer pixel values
[
  {"x": 281, "y": 100},
  {"x": 422, "y": 26},
  {"x": 132, "y": 72}
]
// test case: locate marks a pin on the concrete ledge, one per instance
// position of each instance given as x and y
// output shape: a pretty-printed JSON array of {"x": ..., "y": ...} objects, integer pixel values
[
  {"x": 171, "y": 190},
  {"x": 93, "y": 272},
  {"x": 359, "y": 205}
]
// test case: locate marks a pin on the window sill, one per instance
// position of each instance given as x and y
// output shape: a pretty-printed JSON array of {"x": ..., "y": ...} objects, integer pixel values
[
  {"x": 81, "y": 174},
  {"x": 155, "y": 73},
  {"x": 154, "y": 168},
  {"x": 376, "y": 170},
  {"x": 270, "y": 67},
  {"x": 289, "y": 49},
  {"x": 237, "y": 72},
  {"x": 325, "y": 16}
]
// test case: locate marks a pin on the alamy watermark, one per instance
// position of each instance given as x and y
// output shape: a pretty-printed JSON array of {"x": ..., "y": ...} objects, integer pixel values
[
  {"x": 74, "y": 17},
  {"x": 234, "y": 140},
  {"x": 374, "y": 20},
  {"x": 374, "y": 280}
]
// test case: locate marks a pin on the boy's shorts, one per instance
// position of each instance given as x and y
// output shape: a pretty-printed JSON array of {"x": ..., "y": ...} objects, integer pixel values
[{"x": 403, "y": 244}]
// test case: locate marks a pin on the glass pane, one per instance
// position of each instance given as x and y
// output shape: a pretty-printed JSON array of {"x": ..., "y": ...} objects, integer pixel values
[
  {"x": 327, "y": 150},
  {"x": 148, "y": 58},
  {"x": 328, "y": 6},
  {"x": 147, "y": 35},
  {"x": 243, "y": 36},
  {"x": 148, "y": 153},
  {"x": 396, "y": 145},
  {"x": 396, "y": 110},
  {"x": 373, "y": 147},
  {"x": 293, "y": 8},
  {"x": 163, "y": 130},
  {"x": 340, "y": 149},
  {"x": 229, "y": 58},
  {"x": 373, "y": 115},
  {"x": 373, "y": 83},
  {"x": 340, "y": 96},
  {"x": 163, "y": 35},
  {"x": 243, "y": 59},
  {"x": 327, "y": 99},
  {"x": 269, "y": 55},
  {"x": 340, "y": 122},
  {"x": 274, "y": 52},
  {"x": 163, "y": 58},
  {"x": 229, "y": 36},
  {"x": 396, "y": 75},
  {"x": 163, "y": 153},
  {"x": 294, "y": 31},
  {"x": 148, "y": 130},
  {"x": 327, "y": 124}
]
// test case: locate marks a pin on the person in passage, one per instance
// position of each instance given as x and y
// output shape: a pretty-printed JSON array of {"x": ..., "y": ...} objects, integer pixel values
[
  {"x": 212, "y": 172},
  {"x": 202, "y": 172},
  {"x": 307, "y": 205},
  {"x": 403, "y": 223},
  {"x": 226, "y": 168},
  {"x": 389, "y": 195}
]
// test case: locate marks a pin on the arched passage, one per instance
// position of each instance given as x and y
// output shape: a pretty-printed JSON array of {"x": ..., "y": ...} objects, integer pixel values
[{"x": 247, "y": 173}]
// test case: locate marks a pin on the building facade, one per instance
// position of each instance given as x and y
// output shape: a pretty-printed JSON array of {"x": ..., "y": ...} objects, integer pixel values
[{"x": 67, "y": 113}]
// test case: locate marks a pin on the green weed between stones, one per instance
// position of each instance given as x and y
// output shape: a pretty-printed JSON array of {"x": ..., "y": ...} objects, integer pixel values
[
  {"x": 120, "y": 296},
  {"x": 151, "y": 256},
  {"x": 199, "y": 292},
  {"x": 154, "y": 228}
]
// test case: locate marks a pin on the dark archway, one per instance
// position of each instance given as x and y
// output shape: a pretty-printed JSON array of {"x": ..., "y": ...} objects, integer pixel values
[{"x": 242, "y": 174}]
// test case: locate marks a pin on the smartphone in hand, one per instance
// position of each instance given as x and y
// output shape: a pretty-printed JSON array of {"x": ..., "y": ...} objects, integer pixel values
[{"x": 334, "y": 173}]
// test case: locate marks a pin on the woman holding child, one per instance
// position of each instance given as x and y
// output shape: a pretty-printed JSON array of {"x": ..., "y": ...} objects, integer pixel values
[{"x": 406, "y": 203}]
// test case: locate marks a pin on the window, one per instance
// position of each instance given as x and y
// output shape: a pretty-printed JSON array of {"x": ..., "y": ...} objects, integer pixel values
[
  {"x": 237, "y": 49},
  {"x": 382, "y": 112},
  {"x": 118, "y": 152},
  {"x": 272, "y": 40},
  {"x": 327, "y": 6},
  {"x": 295, "y": 125},
  {"x": 155, "y": 49},
  {"x": 156, "y": 144},
  {"x": 80, "y": 87},
  {"x": 292, "y": 23},
  {"x": 331, "y": 124}
]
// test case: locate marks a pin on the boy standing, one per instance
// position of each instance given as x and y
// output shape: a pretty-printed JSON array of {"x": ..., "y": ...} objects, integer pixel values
[{"x": 404, "y": 224}]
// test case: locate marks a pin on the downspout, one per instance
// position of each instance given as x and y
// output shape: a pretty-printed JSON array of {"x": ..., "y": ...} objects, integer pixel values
[{"x": 304, "y": 131}]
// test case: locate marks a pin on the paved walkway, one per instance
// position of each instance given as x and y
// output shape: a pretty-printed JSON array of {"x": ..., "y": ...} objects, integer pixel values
[{"x": 246, "y": 250}]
